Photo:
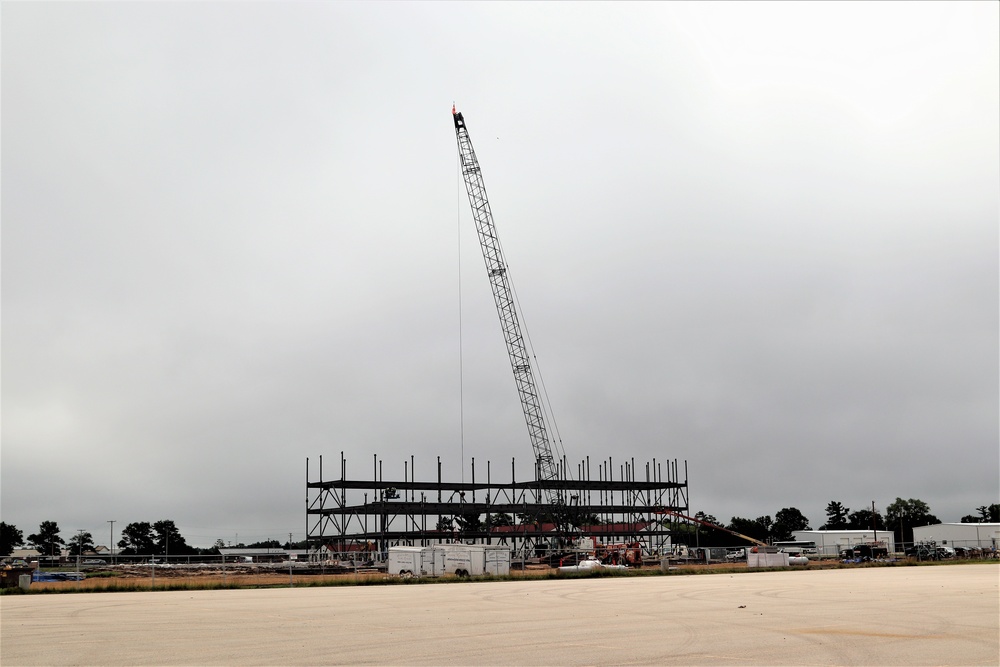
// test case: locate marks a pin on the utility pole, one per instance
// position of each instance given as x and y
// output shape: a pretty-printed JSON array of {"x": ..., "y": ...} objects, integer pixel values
[
  {"x": 112, "y": 522},
  {"x": 874, "y": 525},
  {"x": 79, "y": 550}
]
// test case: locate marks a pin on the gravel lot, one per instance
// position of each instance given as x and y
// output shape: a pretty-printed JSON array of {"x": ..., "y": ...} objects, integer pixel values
[{"x": 941, "y": 615}]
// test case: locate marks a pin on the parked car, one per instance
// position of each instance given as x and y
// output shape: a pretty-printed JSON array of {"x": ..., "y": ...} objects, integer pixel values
[{"x": 94, "y": 561}]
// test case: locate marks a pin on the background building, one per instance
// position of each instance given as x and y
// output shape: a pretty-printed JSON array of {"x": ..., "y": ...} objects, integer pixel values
[
  {"x": 975, "y": 535},
  {"x": 832, "y": 542}
]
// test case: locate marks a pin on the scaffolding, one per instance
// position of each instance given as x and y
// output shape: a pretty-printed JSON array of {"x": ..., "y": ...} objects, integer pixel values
[{"x": 361, "y": 518}]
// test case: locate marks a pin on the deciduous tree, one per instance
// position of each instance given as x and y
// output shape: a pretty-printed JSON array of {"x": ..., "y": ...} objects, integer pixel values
[
  {"x": 986, "y": 514},
  {"x": 137, "y": 539},
  {"x": 903, "y": 515},
  {"x": 47, "y": 539},
  {"x": 759, "y": 528},
  {"x": 266, "y": 544},
  {"x": 862, "y": 520},
  {"x": 786, "y": 521},
  {"x": 169, "y": 540},
  {"x": 707, "y": 518},
  {"x": 10, "y": 538},
  {"x": 469, "y": 523},
  {"x": 80, "y": 543}
]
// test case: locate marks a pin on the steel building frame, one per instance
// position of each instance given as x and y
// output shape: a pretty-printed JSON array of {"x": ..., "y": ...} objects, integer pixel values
[{"x": 348, "y": 516}]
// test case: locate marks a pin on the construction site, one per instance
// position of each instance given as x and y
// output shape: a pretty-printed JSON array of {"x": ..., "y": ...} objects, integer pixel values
[
  {"x": 617, "y": 512},
  {"x": 620, "y": 512}
]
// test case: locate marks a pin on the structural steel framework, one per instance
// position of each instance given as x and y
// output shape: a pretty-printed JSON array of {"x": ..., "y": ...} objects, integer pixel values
[{"x": 621, "y": 503}]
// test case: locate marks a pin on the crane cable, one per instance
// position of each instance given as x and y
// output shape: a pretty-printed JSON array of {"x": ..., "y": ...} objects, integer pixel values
[
  {"x": 461, "y": 358},
  {"x": 555, "y": 441}
]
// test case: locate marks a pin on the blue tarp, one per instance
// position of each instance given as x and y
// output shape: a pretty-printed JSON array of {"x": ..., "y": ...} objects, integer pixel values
[{"x": 56, "y": 576}]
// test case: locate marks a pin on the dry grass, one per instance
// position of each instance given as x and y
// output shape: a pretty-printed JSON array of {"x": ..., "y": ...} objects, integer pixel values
[
  {"x": 175, "y": 581},
  {"x": 144, "y": 580}
]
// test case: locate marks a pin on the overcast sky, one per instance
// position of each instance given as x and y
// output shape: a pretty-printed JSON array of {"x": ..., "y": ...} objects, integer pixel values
[{"x": 761, "y": 238}]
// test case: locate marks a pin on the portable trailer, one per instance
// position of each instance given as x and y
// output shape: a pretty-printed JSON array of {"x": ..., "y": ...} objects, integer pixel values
[
  {"x": 464, "y": 560},
  {"x": 416, "y": 561},
  {"x": 497, "y": 560}
]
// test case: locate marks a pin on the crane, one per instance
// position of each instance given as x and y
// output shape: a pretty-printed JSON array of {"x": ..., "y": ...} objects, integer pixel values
[{"x": 503, "y": 298}]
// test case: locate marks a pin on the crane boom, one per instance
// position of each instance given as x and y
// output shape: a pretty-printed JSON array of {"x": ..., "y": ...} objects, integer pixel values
[
  {"x": 496, "y": 269},
  {"x": 715, "y": 526}
]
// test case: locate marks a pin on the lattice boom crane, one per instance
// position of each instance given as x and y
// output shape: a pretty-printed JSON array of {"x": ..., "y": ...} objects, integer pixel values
[{"x": 496, "y": 269}]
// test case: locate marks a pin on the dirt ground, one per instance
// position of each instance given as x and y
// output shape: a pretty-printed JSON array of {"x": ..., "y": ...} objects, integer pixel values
[{"x": 945, "y": 615}]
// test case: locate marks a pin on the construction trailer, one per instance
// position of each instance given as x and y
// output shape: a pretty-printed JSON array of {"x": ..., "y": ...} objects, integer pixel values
[
  {"x": 619, "y": 504},
  {"x": 458, "y": 559},
  {"x": 464, "y": 559},
  {"x": 496, "y": 559},
  {"x": 415, "y": 561}
]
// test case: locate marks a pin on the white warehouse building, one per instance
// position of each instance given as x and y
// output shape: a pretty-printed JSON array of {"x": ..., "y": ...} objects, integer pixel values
[
  {"x": 973, "y": 535},
  {"x": 832, "y": 542}
]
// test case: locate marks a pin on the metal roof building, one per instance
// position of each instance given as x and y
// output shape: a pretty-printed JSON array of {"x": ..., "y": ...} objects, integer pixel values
[
  {"x": 832, "y": 542},
  {"x": 974, "y": 535}
]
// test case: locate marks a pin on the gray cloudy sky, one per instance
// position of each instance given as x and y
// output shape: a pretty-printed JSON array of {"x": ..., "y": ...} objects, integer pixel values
[{"x": 759, "y": 237}]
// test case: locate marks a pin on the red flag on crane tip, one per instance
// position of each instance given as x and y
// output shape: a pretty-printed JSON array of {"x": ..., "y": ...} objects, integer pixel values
[{"x": 453, "y": 112}]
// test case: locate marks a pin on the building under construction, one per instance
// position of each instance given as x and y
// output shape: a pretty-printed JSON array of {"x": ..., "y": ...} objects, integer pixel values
[
  {"x": 612, "y": 508},
  {"x": 620, "y": 507}
]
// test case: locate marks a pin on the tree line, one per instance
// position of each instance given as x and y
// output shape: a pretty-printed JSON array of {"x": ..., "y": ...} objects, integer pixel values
[
  {"x": 141, "y": 538},
  {"x": 900, "y": 518}
]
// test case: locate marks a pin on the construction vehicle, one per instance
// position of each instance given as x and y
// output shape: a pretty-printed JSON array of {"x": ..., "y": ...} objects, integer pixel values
[
  {"x": 621, "y": 553},
  {"x": 761, "y": 554},
  {"x": 563, "y": 546},
  {"x": 503, "y": 298}
]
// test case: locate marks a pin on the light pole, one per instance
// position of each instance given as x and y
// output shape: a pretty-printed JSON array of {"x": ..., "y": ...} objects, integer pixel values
[{"x": 112, "y": 522}]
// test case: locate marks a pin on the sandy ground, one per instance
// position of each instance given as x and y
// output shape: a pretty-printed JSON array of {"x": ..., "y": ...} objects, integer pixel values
[{"x": 944, "y": 615}]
